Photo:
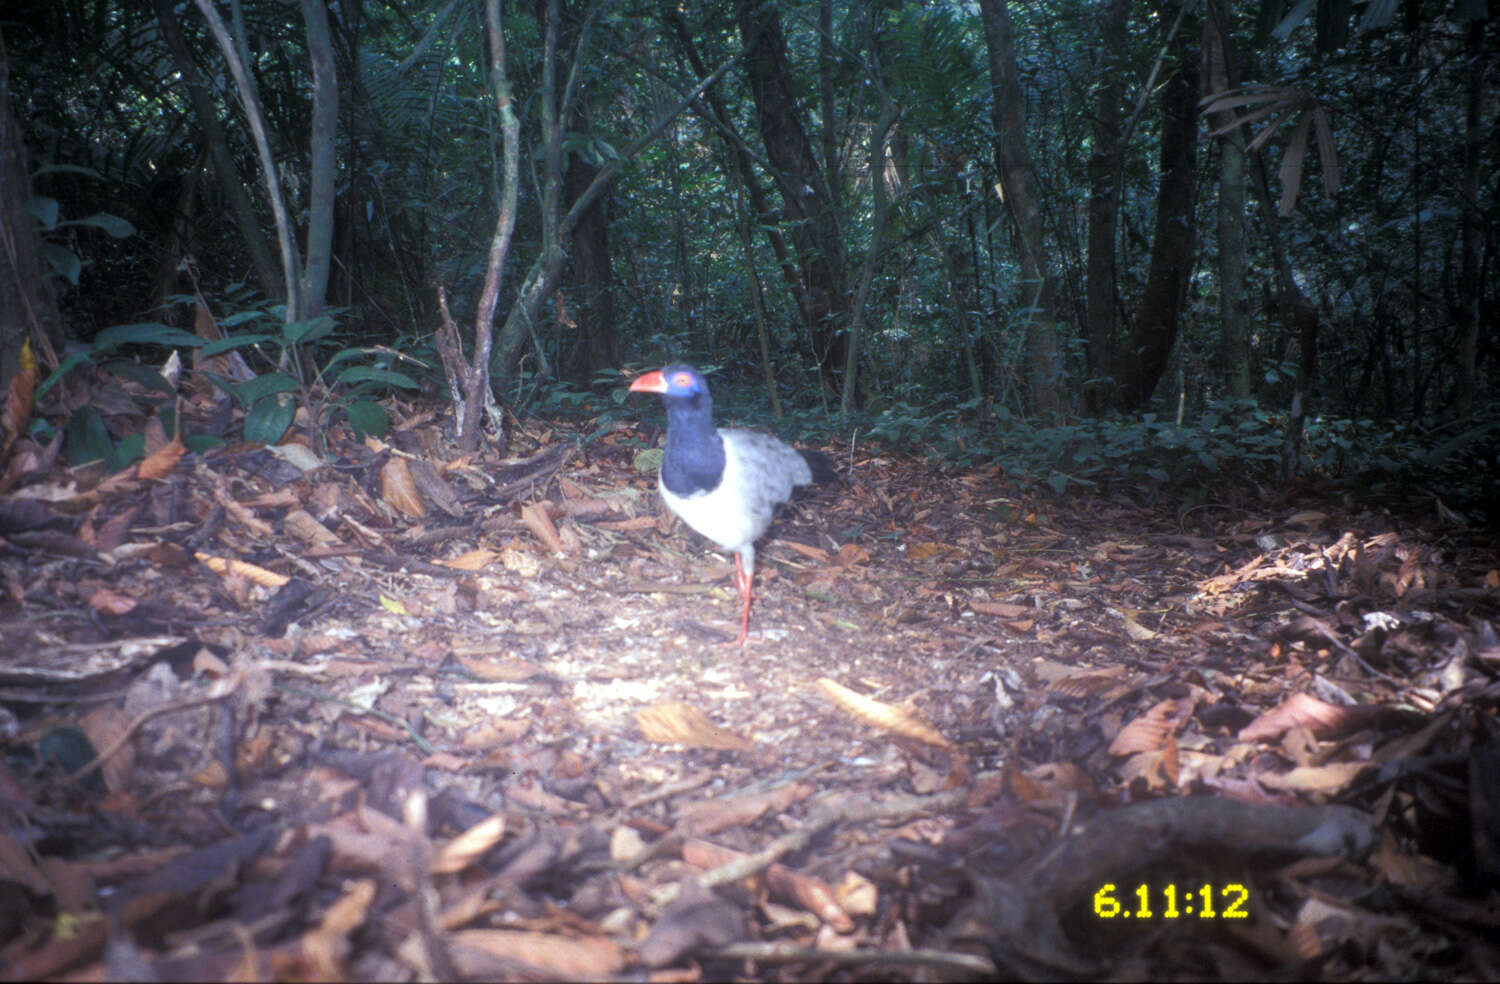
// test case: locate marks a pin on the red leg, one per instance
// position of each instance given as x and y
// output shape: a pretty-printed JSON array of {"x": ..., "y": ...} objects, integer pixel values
[{"x": 742, "y": 581}]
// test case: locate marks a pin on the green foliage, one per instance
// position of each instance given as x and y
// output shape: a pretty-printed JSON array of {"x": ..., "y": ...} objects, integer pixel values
[
  {"x": 305, "y": 358},
  {"x": 301, "y": 364},
  {"x": 57, "y": 247}
]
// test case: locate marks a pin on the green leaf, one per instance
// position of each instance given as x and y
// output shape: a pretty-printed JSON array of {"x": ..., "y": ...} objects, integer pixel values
[
  {"x": 252, "y": 392},
  {"x": 87, "y": 172},
  {"x": 1058, "y": 482},
  {"x": 307, "y": 330},
  {"x": 367, "y": 417},
  {"x": 145, "y": 375},
  {"x": 269, "y": 419},
  {"x": 370, "y": 374},
  {"x": 235, "y": 342},
  {"x": 343, "y": 355},
  {"x": 115, "y": 226},
  {"x": 70, "y": 362},
  {"x": 63, "y": 262},
  {"x": 132, "y": 448},
  {"x": 88, "y": 439},
  {"x": 199, "y": 443},
  {"x": 44, "y": 210},
  {"x": 239, "y": 318},
  {"x": 144, "y": 333}
]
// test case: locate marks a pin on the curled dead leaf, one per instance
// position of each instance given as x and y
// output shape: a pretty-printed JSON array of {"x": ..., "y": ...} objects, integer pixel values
[
  {"x": 674, "y": 721},
  {"x": 226, "y": 567},
  {"x": 880, "y": 715},
  {"x": 399, "y": 489},
  {"x": 470, "y": 846},
  {"x": 1154, "y": 730}
]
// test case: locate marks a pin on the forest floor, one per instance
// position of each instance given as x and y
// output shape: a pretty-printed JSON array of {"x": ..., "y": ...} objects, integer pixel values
[{"x": 398, "y": 714}]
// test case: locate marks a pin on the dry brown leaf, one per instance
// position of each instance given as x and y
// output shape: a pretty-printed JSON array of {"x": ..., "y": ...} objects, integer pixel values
[
  {"x": 1310, "y": 518},
  {"x": 470, "y": 846},
  {"x": 498, "y": 667},
  {"x": 784, "y": 883},
  {"x": 363, "y": 839},
  {"x": 1153, "y": 731},
  {"x": 1051, "y": 784},
  {"x": 327, "y": 946},
  {"x": 495, "y": 733},
  {"x": 1089, "y": 684},
  {"x": 399, "y": 490},
  {"x": 103, "y": 726},
  {"x": 108, "y": 602},
  {"x": 239, "y": 511},
  {"x": 1000, "y": 608},
  {"x": 493, "y": 954},
  {"x": 626, "y": 525},
  {"x": 710, "y": 816},
  {"x": 17, "y": 866},
  {"x": 226, "y": 567},
  {"x": 1416, "y": 872},
  {"x": 1323, "y": 720},
  {"x": 535, "y": 516},
  {"x": 927, "y": 549},
  {"x": 857, "y": 895},
  {"x": 1324, "y": 780},
  {"x": 851, "y": 554},
  {"x": 811, "y": 553},
  {"x": 20, "y": 397},
  {"x": 1136, "y": 630},
  {"x": 674, "y": 721},
  {"x": 472, "y": 561},
  {"x": 160, "y": 463},
  {"x": 304, "y": 526},
  {"x": 880, "y": 715}
]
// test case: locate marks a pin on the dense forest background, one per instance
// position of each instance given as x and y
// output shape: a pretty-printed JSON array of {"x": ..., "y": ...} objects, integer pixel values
[{"x": 1066, "y": 236}]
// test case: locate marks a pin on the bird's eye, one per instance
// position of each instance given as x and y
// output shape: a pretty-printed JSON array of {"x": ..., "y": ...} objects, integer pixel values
[{"x": 682, "y": 379}]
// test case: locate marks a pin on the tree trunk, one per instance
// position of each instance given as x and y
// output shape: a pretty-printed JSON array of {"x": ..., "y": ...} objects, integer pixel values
[
  {"x": 722, "y": 121},
  {"x": 27, "y": 306},
  {"x": 1104, "y": 173},
  {"x": 323, "y": 155},
  {"x": 806, "y": 194},
  {"x": 1234, "y": 349},
  {"x": 1017, "y": 184},
  {"x": 1471, "y": 283},
  {"x": 226, "y": 174},
  {"x": 599, "y": 345},
  {"x": 1159, "y": 314}
]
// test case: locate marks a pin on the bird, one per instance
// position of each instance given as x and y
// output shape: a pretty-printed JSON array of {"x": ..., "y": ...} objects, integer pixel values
[{"x": 724, "y": 483}]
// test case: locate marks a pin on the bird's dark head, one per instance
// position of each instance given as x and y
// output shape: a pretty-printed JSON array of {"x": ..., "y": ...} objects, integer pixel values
[{"x": 674, "y": 383}]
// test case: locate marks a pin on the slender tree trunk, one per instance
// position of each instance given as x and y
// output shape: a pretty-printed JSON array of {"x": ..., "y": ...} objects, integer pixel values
[
  {"x": 226, "y": 174},
  {"x": 542, "y": 277},
  {"x": 1234, "y": 348},
  {"x": 1018, "y": 183},
  {"x": 1105, "y": 173},
  {"x": 27, "y": 306},
  {"x": 1294, "y": 306},
  {"x": 599, "y": 343},
  {"x": 718, "y": 117},
  {"x": 879, "y": 192},
  {"x": 807, "y": 196},
  {"x": 1471, "y": 286},
  {"x": 324, "y": 159},
  {"x": 757, "y": 293},
  {"x": 1159, "y": 314}
]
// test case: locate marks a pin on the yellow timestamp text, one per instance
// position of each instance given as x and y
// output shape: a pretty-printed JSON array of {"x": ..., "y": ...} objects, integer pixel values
[{"x": 1170, "y": 901}]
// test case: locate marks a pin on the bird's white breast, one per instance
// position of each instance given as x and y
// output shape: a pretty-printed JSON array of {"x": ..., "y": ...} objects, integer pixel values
[{"x": 759, "y": 474}]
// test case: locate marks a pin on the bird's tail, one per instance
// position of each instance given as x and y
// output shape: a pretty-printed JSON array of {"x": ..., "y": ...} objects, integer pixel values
[{"x": 820, "y": 466}]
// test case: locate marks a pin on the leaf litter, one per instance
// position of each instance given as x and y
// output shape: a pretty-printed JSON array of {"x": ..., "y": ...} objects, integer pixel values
[{"x": 399, "y": 714}]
